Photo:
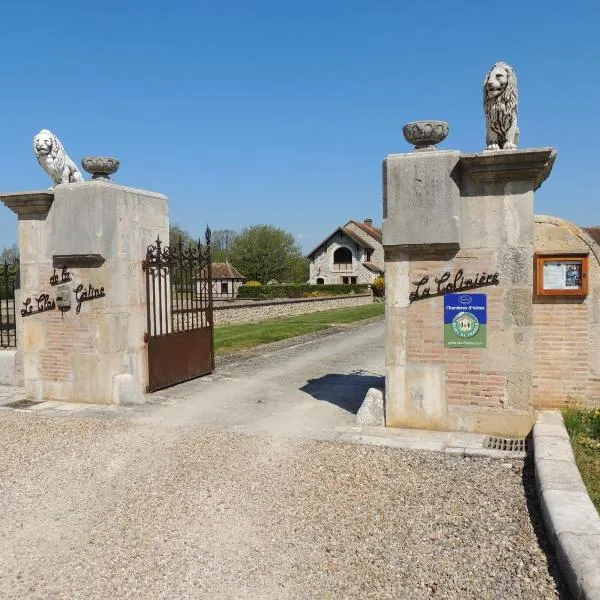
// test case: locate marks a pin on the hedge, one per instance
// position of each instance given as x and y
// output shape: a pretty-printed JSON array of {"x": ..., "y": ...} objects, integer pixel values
[{"x": 270, "y": 292}]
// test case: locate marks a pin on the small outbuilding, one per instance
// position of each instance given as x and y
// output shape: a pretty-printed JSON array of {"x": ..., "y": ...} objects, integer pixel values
[{"x": 226, "y": 281}]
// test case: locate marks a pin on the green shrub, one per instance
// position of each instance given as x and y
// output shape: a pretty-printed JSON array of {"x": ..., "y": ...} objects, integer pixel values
[
  {"x": 582, "y": 422},
  {"x": 379, "y": 287},
  {"x": 594, "y": 423},
  {"x": 246, "y": 292}
]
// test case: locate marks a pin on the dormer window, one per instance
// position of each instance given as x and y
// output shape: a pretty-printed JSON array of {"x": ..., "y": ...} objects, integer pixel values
[{"x": 367, "y": 256}]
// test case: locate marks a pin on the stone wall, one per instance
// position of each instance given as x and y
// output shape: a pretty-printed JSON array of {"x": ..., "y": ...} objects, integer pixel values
[
  {"x": 567, "y": 330},
  {"x": 451, "y": 217},
  {"x": 94, "y": 350},
  {"x": 261, "y": 310},
  {"x": 377, "y": 254},
  {"x": 321, "y": 264}
]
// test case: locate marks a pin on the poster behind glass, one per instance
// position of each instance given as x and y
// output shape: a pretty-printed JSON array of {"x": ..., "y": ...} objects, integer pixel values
[{"x": 562, "y": 274}]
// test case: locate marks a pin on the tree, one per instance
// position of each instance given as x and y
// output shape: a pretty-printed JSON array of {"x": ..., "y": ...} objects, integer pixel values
[
  {"x": 264, "y": 252},
  {"x": 9, "y": 254},
  {"x": 176, "y": 233},
  {"x": 222, "y": 242},
  {"x": 300, "y": 270}
]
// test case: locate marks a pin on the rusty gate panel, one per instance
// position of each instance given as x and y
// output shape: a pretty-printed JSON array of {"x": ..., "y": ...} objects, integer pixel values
[
  {"x": 179, "y": 334},
  {"x": 179, "y": 357}
]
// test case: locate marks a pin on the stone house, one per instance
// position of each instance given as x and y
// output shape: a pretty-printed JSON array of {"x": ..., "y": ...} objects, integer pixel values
[
  {"x": 351, "y": 254},
  {"x": 226, "y": 281}
]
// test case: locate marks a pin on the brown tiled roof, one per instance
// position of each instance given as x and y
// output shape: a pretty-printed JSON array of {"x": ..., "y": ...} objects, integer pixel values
[
  {"x": 593, "y": 232},
  {"x": 355, "y": 238},
  {"x": 360, "y": 241},
  {"x": 374, "y": 232},
  {"x": 223, "y": 271},
  {"x": 373, "y": 267}
]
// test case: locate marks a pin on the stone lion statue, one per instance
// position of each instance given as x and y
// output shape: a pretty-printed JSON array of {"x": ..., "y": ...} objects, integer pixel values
[
  {"x": 54, "y": 160},
  {"x": 500, "y": 103}
]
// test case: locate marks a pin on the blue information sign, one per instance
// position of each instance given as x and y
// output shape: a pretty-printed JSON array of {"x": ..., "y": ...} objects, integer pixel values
[{"x": 465, "y": 320}]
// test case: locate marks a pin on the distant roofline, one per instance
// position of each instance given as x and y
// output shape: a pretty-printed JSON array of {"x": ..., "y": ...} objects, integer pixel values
[{"x": 355, "y": 238}]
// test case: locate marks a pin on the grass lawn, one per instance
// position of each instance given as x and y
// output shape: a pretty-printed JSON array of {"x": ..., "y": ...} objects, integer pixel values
[
  {"x": 584, "y": 430},
  {"x": 229, "y": 338}
]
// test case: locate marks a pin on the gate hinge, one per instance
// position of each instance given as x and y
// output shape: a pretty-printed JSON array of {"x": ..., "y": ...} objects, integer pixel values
[{"x": 146, "y": 338}]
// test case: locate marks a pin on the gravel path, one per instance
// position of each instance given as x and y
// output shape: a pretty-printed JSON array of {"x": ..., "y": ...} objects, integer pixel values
[{"x": 114, "y": 509}]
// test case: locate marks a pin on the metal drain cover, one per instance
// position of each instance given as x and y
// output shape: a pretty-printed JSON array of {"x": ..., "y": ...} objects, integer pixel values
[
  {"x": 492, "y": 442},
  {"x": 23, "y": 403}
]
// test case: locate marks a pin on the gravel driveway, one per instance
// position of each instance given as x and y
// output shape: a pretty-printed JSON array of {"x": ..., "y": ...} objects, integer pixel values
[
  {"x": 110, "y": 509},
  {"x": 200, "y": 496}
]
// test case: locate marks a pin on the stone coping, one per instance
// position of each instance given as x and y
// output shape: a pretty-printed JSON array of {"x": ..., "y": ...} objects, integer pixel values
[
  {"x": 29, "y": 204},
  {"x": 246, "y": 303},
  {"x": 571, "y": 519},
  {"x": 503, "y": 166}
]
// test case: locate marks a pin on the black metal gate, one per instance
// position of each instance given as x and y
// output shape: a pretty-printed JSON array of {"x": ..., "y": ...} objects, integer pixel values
[
  {"x": 179, "y": 332},
  {"x": 9, "y": 272}
]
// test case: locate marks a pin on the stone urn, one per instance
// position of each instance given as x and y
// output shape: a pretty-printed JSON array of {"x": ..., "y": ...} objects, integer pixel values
[
  {"x": 100, "y": 167},
  {"x": 425, "y": 134}
]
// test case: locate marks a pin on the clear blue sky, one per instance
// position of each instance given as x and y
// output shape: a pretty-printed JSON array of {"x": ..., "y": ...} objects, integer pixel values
[{"x": 281, "y": 112}]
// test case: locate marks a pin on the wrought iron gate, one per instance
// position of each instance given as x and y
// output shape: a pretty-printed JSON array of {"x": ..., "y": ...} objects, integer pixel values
[
  {"x": 179, "y": 332},
  {"x": 8, "y": 278}
]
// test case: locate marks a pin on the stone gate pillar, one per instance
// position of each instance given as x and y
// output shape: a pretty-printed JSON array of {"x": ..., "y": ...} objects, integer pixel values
[
  {"x": 82, "y": 301},
  {"x": 460, "y": 224}
]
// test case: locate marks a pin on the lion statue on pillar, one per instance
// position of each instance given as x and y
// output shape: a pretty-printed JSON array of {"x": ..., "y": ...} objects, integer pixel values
[
  {"x": 54, "y": 160},
  {"x": 500, "y": 103}
]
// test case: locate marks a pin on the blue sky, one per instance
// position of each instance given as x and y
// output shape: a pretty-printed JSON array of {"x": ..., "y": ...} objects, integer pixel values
[{"x": 281, "y": 112}]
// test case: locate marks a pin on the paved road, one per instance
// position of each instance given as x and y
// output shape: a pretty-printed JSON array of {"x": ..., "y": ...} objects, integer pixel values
[
  {"x": 175, "y": 500},
  {"x": 297, "y": 390}
]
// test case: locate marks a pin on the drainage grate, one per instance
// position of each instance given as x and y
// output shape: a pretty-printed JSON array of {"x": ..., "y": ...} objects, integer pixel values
[
  {"x": 24, "y": 403},
  {"x": 511, "y": 444}
]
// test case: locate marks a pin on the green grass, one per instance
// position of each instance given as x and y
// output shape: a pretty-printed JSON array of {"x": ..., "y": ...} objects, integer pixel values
[
  {"x": 584, "y": 430},
  {"x": 229, "y": 338}
]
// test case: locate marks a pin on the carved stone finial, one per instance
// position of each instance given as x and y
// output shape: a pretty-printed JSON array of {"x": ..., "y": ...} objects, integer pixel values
[
  {"x": 500, "y": 103},
  {"x": 100, "y": 167},
  {"x": 54, "y": 160},
  {"x": 425, "y": 134}
]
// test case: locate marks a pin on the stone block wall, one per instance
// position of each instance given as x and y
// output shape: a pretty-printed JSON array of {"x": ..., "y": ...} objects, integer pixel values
[
  {"x": 94, "y": 351},
  {"x": 446, "y": 212},
  {"x": 255, "y": 311}
]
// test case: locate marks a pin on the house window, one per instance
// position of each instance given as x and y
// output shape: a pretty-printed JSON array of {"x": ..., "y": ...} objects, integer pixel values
[
  {"x": 320, "y": 281},
  {"x": 224, "y": 287},
  {"x": 367, "y": 256},
  {"x": 353, "y": 280},
  {"x": 342, "y": 260}
]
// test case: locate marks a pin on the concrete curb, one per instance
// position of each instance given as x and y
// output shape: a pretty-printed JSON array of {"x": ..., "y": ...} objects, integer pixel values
[{"x": 571, "y": 520}]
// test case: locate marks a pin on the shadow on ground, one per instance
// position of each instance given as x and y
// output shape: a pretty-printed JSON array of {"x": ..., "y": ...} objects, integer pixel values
[{"x": 345, "y": 391}]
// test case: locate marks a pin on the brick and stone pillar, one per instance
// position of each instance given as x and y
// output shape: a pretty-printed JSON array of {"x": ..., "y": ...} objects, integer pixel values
[
  {"x": 460, "y": 223},
  {"x": 82, "y": 302}
]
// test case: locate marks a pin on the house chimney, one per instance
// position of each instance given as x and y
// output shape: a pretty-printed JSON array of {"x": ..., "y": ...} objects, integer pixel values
[{"x": 369, "y": 222}]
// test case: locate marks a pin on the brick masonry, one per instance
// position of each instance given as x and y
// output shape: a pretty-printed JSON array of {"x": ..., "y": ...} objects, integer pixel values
[
  {"x": 472, "y": 376},
  {"x": 567, "y": 334}
]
